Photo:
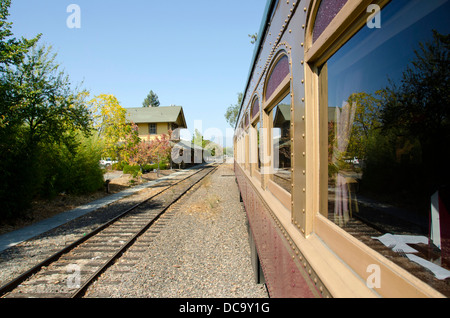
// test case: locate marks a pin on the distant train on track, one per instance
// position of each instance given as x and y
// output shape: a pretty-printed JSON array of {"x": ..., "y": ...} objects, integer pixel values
[{"x": 342, "y": 149}]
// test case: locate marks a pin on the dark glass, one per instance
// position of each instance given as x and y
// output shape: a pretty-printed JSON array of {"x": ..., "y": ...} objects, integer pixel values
[
  {"x": 281, "y": 138},
  {"x": 152, "y": 129},
  {"x": 389, "y": 133},
  {"x": 258, "y": 142}
]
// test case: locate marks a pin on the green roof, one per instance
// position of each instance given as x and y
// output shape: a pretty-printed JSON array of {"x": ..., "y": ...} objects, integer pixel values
[
  {"x": 282, "y": 115},
  {"x": 147, "y": 115}
]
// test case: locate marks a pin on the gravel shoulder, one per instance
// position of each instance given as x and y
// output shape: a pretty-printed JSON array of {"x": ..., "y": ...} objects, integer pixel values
[{"x": 201, "y": 252}]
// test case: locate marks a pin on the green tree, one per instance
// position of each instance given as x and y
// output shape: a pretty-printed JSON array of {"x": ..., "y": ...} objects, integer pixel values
[
  {"x": 71, "y": 167},
  {"x": 14, "y": 195},
  {"x": 46, "y": 105},
  {"x": 11, "y": 50},
  {"x": 39, "y": 111},
  {"x": 151, "y": 100},
  {"x": 233, "y": 111},
  {"x": 254, "y": 38},
  {"x": 197, "y": 139}
]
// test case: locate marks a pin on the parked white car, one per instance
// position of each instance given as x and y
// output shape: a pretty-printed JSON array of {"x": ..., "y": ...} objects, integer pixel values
[{"x": 107, "y": 162}]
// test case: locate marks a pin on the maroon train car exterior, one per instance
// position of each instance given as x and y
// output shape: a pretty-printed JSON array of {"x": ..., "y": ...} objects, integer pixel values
[
  {"x": 345, "y": 196},
  {"x": 284, "y": 273}
]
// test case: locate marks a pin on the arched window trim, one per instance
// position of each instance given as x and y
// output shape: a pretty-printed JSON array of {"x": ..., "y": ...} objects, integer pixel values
[
  {"x": 256, "y": 116},
  {"x": 246, "y": 119},
  {"x": 347, "y": 22},
  {"x": 282, "y": 84}
]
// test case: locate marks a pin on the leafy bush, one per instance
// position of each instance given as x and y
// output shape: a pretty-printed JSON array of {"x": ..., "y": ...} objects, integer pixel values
[
  {"x": 72, "y": 167},
  {"x": 87, "y": 174},
  {"x": 133, "y": 170},
  {"x": 41, "y": 152}
]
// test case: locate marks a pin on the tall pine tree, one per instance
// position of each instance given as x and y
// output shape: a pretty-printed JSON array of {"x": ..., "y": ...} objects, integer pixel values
[{"x": 151, "y": 100}]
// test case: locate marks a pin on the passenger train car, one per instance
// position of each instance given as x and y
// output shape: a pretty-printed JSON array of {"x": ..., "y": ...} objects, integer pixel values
[{"x": 342, "y": 149}]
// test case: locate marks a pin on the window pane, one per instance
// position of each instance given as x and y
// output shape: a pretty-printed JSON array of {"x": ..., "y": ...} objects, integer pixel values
[
  {"x": 389, "y": 134},
  {"x": 258, "y": 130},
  {"x": 279, "y": 73},
  {"x": 152, "y": 129},
  {"x": 281, "y": 138},
  {"x": 327, "y": 11}
]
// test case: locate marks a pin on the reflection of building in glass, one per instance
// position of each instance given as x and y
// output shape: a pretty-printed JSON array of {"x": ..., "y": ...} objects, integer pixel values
[
  {"x": 282, "y": 121},
  {"x": 281, "y": 143}
]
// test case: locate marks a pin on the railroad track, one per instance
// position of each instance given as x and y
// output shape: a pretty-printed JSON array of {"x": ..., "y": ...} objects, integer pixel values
[{"x": 69, "y": 272}]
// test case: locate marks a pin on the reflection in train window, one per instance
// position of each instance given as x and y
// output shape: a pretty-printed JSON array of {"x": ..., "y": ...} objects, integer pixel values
[
  {"x": 256, "y": 156},
  {"x": 280, "y": 117},
  {"x": 255, "y": 131},
  {"x": 389, "y": 129}
]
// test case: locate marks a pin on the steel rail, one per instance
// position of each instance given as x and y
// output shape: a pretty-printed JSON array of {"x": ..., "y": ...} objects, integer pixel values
[
  {"x": 81, "y": 291},
  {"x": 8, "y": 287}
]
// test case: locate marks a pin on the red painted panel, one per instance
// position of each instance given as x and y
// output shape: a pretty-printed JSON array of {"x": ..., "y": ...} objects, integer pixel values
[{"x": 285, "y": 277}]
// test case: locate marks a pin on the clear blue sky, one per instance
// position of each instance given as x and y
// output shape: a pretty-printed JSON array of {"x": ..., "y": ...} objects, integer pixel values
[{"x": 195, "y": 54}]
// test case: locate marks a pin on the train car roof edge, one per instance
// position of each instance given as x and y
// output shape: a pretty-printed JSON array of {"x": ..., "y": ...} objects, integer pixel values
[{"x": 261, "y": 35}]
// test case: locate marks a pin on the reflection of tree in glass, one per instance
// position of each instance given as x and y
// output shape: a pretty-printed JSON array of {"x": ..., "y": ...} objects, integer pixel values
[
  {"x": 420, "y": 108},
  {"x": 410, "y": 152},
  {"x": 367, "y": 118}
]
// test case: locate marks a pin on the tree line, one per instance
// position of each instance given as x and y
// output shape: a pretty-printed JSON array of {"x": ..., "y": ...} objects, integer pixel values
[
  {"x": 52, "y": 134},
  {"x": 401, "y": 132}
]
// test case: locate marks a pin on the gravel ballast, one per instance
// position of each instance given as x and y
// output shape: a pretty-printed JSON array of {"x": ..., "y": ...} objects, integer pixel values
[{"x": 202, "y": 251}]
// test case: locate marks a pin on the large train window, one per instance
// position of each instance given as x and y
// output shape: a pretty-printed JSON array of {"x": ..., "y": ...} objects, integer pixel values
[
  {"x": 278, "y": 125},
  {"x": 255, "y": 136},
  {"x": 280, "y": 121},
  {"x": 257, "y": 130},
  {"x": 246, "y": 141},
  {"x": 389, "y": 131}
]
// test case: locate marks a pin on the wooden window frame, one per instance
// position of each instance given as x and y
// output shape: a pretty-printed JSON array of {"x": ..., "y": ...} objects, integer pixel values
[
  {"x": 282, "y": 90},
  {"x": 397, "y": 282}
]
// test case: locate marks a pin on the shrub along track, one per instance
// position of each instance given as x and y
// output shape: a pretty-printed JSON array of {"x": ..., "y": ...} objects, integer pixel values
[{"x": 71, "y": 270}]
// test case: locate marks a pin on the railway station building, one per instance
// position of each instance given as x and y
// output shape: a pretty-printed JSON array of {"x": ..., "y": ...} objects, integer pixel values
[{"x": 156, "y": 121}]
